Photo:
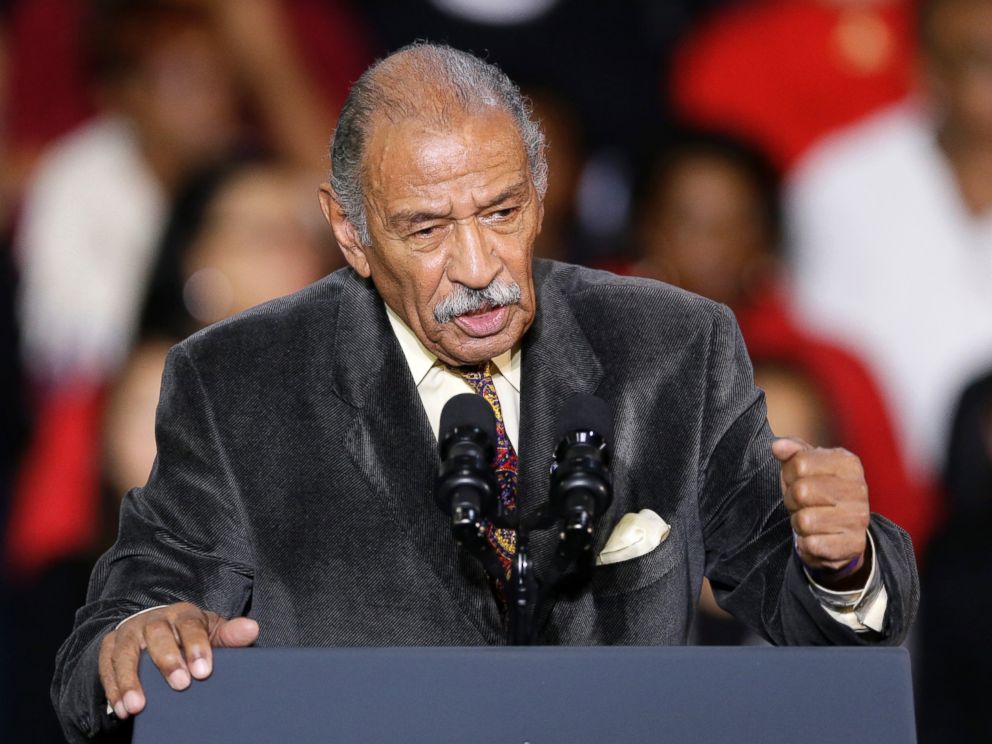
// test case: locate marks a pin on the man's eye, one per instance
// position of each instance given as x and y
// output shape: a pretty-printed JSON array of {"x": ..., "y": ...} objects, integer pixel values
[
  {"x": 502, "y": 214},
  {"x": 427, "y": 232}
]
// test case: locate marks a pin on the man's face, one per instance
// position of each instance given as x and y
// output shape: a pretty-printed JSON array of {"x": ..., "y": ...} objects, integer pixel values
[
  {"x": 704, "y": 229},
  {"x": 449, "y": 209}
]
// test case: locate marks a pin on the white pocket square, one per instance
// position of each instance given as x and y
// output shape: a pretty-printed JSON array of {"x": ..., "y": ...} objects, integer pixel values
[{"x": 637, "y": 534}]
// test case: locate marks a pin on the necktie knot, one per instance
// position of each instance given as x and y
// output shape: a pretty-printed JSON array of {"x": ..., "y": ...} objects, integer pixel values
[{"x": 474, "y": 374}]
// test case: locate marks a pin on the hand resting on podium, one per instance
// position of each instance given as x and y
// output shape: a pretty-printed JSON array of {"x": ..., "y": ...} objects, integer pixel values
[{"x": 178, "y": 637}]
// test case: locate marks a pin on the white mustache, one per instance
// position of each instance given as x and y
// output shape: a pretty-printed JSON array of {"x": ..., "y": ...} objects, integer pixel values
[{"x": 466, "y": 300}]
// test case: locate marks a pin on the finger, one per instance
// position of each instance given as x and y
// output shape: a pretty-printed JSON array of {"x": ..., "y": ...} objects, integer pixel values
[
  {"x": 107, "y": 678},
  {"x": 783, "y": 448},
  {"x": 817, "y": 520},
  {"x": 194, "y": 639},
  {"x": 838, "y": 462},
  {"x": 824, "y": 490},
  {"x": 832, "y": 552},
  {"x": 831, "y": 520},
  {"x": 124, "y": 659},
  {"x": 160, "y": 638},
  {"x": 236, "y": 633}
]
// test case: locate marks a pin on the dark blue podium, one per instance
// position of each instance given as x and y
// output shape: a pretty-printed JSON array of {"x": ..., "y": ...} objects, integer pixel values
[{"x": 537, "y": 696}]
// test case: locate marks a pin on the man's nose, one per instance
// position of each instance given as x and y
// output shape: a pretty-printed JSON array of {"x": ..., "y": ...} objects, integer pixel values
[{"x": 473, "y": 262}]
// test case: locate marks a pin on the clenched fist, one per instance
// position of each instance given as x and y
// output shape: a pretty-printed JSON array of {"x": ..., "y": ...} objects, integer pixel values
[
  {"x": 179, "y": 639},
  {"x": 827, "y": 498}
]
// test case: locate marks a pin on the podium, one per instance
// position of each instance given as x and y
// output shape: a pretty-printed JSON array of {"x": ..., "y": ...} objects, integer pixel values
[{"x": 537, "y": 695}]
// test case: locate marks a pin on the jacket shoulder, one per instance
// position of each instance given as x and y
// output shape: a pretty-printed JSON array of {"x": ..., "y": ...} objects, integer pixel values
[
  {"x": 277, "y": 330},
  {"x": 610, "y": 307}
]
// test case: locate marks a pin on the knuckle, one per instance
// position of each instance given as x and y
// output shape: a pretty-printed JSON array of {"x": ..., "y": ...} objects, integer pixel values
[
  {"x": 127, "y": 646},
  {"x": 855, "y": 465},
  {"x": 799, "y": 523},
  {"x": 813, "y": 545},
  {"x": 801, "y": 464},
  {"x": 130, "y": 632},
  {"x": 169, "y": 660},
  {"x": 183, "y": 608},
  {"x": 192, "y": 623},
  {"x": 863, "y": 494},
  {"x": 863, "y": 516},
  {"x": 156, "y": 628}
]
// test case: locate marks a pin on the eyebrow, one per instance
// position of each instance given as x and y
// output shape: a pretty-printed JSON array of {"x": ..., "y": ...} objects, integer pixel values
[
  {"x": 406, "y": 218},
  {"x": 510, "y": 192}
]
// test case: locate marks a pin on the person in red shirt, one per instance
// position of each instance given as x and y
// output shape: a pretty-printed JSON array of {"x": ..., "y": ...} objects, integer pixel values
[{"x": 785, "y": 72}]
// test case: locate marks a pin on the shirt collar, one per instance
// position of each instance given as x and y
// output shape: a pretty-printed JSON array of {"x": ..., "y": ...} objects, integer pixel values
[{"x": 420, "y": 359}]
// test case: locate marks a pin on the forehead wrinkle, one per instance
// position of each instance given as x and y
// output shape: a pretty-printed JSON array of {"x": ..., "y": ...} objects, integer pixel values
[{"x": 416, "y": 168}]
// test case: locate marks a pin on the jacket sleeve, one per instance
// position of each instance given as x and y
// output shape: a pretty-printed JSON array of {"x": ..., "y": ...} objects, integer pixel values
[
  {"x": 182, "y": 538},
  {"x": 748, "y": 537}
]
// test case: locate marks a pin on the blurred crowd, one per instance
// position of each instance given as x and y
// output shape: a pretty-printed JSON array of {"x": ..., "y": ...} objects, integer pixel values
[{"x": 823, "y": 167}]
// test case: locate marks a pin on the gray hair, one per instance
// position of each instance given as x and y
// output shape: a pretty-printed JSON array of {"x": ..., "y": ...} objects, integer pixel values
[{"x": 423, "y": 80}]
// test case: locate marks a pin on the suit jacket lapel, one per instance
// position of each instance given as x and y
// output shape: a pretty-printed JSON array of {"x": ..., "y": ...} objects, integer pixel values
[{"x": 391, "y": 443}]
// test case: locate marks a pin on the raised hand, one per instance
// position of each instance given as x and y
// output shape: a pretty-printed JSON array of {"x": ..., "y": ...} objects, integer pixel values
[{"x": 827, "y": 497}]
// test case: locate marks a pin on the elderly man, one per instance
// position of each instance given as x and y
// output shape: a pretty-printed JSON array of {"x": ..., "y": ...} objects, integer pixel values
[{"x": 291, "y": 501}]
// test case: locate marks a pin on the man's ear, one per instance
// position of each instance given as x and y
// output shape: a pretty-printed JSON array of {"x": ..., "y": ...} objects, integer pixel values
[{"x": 344, "y": 232}]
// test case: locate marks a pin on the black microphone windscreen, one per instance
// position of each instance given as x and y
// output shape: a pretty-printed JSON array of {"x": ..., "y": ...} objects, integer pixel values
[
  {"x": 468, "y": 409},
  {"x": 583, "y": 412}
]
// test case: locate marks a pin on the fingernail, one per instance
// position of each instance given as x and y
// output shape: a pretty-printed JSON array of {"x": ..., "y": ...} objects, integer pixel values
[
  {"x": 200, "y": 668},
  {"x": 133, "y": 701},
  {"x": 120, "y": 710},
  {"x": 179, "y": 679}
]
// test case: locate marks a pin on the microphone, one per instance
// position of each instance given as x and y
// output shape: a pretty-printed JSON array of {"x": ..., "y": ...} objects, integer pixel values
[
  {"x": 466, "y": 487},
  {"x": 581, "y": 484}
]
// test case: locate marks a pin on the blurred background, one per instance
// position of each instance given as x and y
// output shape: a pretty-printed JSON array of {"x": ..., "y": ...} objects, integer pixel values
[{"x": 823, "y": 167}]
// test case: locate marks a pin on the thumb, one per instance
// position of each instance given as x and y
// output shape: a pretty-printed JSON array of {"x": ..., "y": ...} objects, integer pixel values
[
  {"x": 235, "y": 633},
  {"x": 784, "y": 448}
]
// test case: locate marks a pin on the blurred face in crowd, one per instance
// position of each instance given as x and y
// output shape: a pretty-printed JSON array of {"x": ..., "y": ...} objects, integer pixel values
[
  {"x": 703, "y": 229},
  {"x": 258, "y": 242},
  {"x": 183, "y": 97},
  {"x": 450, "y": 208},
  {"x": 957, "y": 60}
]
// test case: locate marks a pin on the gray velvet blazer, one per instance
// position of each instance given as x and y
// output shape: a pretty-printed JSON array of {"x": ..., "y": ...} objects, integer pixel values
[{"x": 295, "y": 472}]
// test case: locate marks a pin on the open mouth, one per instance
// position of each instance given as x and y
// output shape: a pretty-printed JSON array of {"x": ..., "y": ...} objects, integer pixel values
[{"x": 485, "y": 321}]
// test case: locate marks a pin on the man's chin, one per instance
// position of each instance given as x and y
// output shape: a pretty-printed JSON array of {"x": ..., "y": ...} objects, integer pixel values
[
  {"x": 460, "y": 349},
  {"x": 475, "y": 350}
]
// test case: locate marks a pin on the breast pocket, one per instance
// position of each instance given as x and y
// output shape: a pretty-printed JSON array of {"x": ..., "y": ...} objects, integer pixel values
[{"x": 638, "y": 573}]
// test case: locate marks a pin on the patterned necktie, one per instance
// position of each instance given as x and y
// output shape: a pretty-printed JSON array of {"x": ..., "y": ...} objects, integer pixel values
[{"x": 503, "y": 541}]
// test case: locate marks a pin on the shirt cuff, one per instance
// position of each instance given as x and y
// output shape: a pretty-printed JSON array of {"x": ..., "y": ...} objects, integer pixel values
[
  {"x": 142, "y": 612},
  {"x": 861, "y": 609}
]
